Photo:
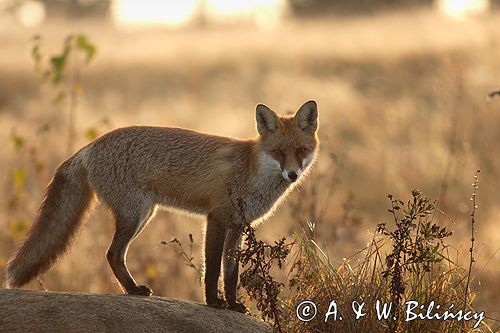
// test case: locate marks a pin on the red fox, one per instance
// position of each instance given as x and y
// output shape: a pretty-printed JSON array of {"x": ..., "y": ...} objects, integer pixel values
[{"x": 133, "y": 170}]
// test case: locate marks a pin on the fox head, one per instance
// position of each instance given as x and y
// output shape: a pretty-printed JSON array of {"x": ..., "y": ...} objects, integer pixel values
[{"x": 289, "y": 143}]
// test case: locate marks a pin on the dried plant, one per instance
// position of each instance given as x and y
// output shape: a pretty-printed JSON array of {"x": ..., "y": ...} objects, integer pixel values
[
  {"x": 186, "y": 256},
  {"x": 408, "y": 262},
  {"x": 472, "y": 225},
  {"x": 416, "y": 244},
  {"x": 258, "y": 258}
]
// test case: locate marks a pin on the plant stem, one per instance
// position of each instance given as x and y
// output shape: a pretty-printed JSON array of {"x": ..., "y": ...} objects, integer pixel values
[
  {"x": 73, "y": 103},
  {"x": 471, "y": 250}
]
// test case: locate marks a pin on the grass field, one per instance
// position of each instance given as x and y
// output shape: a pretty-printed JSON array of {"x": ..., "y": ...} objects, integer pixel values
[{"x": 402, "y": 105}]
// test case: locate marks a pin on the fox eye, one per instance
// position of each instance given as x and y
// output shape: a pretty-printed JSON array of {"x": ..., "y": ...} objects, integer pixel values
[
  {"x": 276, "y": 152},
  {"x": 301, "y": 150}
]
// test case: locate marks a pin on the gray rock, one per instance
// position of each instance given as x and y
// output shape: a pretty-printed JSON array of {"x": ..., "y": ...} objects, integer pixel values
[{"x": 38, "y": 311}]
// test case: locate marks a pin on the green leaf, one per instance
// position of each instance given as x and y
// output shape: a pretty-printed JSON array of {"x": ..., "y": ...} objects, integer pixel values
[
  {"x": 18, "y": 141},
  {"x": 36, "y": 52},
  {"x": 58, "y": 64},
  {"x": 87, "y": 47},
  {"x": 19, "y": 177},
  {"x": 91, "y": 133},
  {"x": 59, "y": 97},
  {"x": 18, "y": 228},
  {"x": 43, "y": 129}
]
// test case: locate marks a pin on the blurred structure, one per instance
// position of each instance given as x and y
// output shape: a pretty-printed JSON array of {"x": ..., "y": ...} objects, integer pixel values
[
  {"x": 264, "y": 13},
  {"x": 462, "y": 8},
  {"x": 349, "y": 7},
  {"x": 153, "y": 12},
  {"x": 147, "y": 13},
  {"x": 174, "y": 14},
  {"x": 31, "y": 13}
]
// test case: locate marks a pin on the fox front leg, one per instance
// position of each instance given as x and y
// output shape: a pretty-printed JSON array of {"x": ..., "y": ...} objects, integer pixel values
[
  {"x": 233, "y": 242},
  {"x": 214, "y": 243}
]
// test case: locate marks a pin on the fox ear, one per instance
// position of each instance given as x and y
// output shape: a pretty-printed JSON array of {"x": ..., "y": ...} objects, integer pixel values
[
  {"x": 307, "y": 117},
  {"x": 267, "y": 120}
]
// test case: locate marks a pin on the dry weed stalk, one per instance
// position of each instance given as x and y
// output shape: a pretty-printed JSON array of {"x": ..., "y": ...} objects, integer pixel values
[{"x": 471, "y": 249}]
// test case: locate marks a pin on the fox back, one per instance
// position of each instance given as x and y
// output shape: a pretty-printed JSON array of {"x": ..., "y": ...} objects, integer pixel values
[{"x": 196, "y": 172}]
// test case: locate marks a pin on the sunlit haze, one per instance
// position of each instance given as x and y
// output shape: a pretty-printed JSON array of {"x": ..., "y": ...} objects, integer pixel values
[
  {"x": 264, "y": 13},
  {"x": 153, "y": 12},
  {"x": 461, "y": 8}
]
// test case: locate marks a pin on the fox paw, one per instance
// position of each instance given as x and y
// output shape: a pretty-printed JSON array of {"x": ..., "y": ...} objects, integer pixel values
[
  {"x": 141, "y": 291},
  {"x": 238, "y": 307},
  {"x": 217, "y": 303}
]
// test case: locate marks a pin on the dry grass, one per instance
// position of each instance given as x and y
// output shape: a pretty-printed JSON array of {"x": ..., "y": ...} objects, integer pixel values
[{"x": 402, "y": 105}]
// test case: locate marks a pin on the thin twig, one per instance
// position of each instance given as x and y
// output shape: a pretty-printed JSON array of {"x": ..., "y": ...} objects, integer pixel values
[
  {"x": 471, "y": 250},
  {"x": 188, "y": 259}
]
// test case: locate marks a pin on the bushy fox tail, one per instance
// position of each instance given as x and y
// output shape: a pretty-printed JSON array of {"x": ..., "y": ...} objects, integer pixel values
[{"x": 69, "y": 196}]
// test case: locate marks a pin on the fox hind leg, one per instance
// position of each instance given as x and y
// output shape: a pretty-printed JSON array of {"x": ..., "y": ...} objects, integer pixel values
[{"x": 128, "y": 227}]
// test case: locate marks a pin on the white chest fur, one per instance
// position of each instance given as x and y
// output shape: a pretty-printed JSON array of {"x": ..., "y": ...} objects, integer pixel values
[{"x": 266, "y": 189}]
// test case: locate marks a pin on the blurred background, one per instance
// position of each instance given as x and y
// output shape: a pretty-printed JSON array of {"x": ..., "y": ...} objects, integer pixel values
[{"x": 401, "y": 88}]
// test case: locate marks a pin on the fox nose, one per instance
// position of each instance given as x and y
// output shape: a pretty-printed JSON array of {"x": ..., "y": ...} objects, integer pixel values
[{"x": 292, "y": 176}]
